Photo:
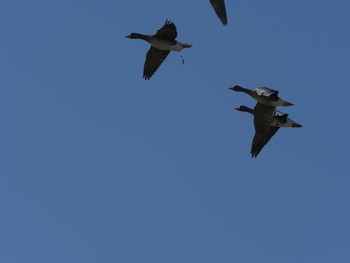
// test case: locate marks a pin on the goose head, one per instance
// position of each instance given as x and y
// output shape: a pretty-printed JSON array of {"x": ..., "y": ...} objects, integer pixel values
[
  {"x": 244, "y": 108},
  {"x": 133, "y": 35},
  {"x": 236, "y": 88}
]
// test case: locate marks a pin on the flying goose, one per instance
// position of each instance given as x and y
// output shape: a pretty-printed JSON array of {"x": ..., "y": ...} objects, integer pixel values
[
  {"x": 220, "y": 10},
  {"x": 264, "y": 95},
  {"x": 162, "y": 42},
  {"x": 279, "y": 119}
]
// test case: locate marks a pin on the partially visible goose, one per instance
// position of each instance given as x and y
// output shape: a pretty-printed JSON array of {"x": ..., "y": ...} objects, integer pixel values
[
  {"x": 264, "y": 95},
  {"x": 279, "y": 119},
  {"x": 220, "y": 10},
  {"x": 162, "y": 43}
]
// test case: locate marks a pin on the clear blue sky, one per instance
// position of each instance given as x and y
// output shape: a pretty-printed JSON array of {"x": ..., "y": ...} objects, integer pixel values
[{"x": 98, "y": 165}]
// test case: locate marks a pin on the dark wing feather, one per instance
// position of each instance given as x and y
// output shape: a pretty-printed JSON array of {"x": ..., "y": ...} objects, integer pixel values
[
  {"x": 168, "y": 31},
  {"x": 259, "y": 141},
  {"x": 263, "y": 115},
  {"x": 220, "y": 10},
  {"x": 271, "y": 133},
  {"x": 154, "y": 59},
  {"x": 257, "y": 145},
  {"x": 262, "y": 120}
]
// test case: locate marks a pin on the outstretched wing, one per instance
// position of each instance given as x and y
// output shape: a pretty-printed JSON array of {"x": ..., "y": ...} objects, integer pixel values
[
  {"x": 257, "y": 145},
  {"x": 154, "y": 59},
  {"x": 271, "y": 133},
  {"x": 263, "y": 115},
  {"x": 220, "y": 10},
  {"x": 168, "y": 31},
  {"x": 262, "y": 120},
  {"x": 259, "y": 141}
]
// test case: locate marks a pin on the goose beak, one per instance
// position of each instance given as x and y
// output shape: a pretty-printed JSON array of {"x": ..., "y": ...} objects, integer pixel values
[
  {"x": 128, "y": 36},
  {"x": 296, "y": 125},
  {"x": 237, "y": 108}
]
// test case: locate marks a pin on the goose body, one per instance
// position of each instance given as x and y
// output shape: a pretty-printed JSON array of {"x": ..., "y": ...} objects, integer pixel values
[
  {"x": 264, "y": 95},
  {"x": 161, "y": 44},
  {"x": 278, "y": 119},
  {"x": 168, "y": 45},
  {"x": 220, "y": 10}
]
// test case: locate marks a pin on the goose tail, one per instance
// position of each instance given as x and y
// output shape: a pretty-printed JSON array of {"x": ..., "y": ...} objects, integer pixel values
[
  {"x": 184, "y": 45},
  {"x": 296, "y": 125},
  {"x": 287, "y": 104}
]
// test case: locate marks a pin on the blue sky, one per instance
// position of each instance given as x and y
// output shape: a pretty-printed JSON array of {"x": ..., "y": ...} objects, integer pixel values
[{"x": 98, "y": 165}]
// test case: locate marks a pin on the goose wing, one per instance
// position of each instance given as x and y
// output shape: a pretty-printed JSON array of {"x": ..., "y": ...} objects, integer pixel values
[
  {"x": 280, "y": 114},
  {"x": 262, "y": 120},
  {"x": 271, "y": 133},
  {"x": 220, "y": 10},
  {"x": 154, "y": 59},
  {"x": 269, "y": 93},
  {"x": 168, "y": 31},
  {"x": 257, "y": 145},
  {"x": 280, "y": 117}
]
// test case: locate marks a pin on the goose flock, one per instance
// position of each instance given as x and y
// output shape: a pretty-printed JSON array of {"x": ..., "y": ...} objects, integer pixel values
[{"x": 267, "y": 120}]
